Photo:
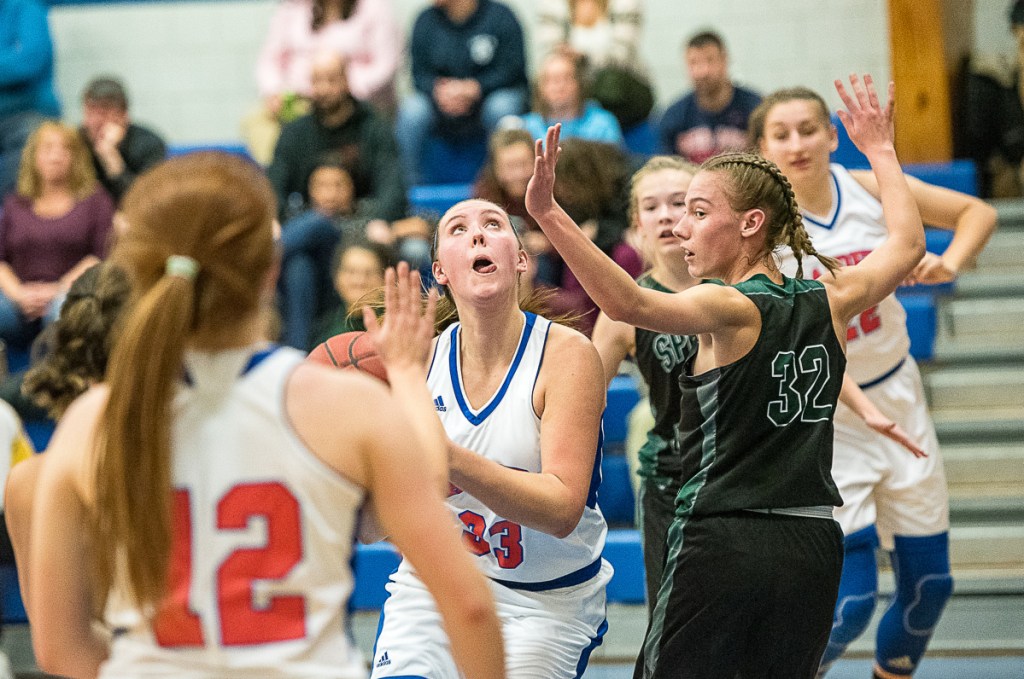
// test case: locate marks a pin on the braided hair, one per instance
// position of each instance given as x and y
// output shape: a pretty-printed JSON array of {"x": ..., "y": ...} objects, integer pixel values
[
  {"x": 78, "y": 344},
  {"x": 756, "y": 182}
]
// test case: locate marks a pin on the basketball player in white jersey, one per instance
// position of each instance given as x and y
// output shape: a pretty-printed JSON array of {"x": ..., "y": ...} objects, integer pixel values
[
  {"x": 888, "y": 495},
  {"x": 520, "y": 399},
  {"x": 203, "y": 503}
]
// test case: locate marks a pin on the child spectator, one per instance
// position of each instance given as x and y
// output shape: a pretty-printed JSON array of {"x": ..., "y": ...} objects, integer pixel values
[
  {"x": 309, "y": 240},
  {"x": 358, "y": 269}
]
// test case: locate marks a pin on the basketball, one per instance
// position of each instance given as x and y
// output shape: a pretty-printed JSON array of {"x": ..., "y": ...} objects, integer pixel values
[{"x": 351, "y": 350}]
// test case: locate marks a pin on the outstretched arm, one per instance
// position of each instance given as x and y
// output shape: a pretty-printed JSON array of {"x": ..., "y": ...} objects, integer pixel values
[
  {"x": 614, "y": 341},
  {"x": 700, "y": 309},
  {"x": 857, "y": 401},
  {"x": 869, "y": 125},
  {"x": 971, "y": 219}
]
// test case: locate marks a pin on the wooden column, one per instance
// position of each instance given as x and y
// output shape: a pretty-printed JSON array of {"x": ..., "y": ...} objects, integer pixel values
[{"x": 917, "y": 54}]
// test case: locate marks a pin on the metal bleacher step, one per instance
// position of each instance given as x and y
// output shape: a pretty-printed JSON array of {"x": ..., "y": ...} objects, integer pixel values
[
  {"x": 986, "y": 483},
  {"x": 985, "y": 322},
  {"x": 988, "y": 391}
]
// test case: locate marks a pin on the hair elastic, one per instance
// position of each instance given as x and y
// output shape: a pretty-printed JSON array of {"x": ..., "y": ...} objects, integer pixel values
[{"x": 182, "y": 266}]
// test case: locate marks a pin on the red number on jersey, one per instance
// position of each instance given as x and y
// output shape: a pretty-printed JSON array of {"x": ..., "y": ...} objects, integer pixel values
[
  {"x": 864, "y": 324},
  {"x": 177, "y": 625},
  {"x": 473, "y": 536},
  {"x": 509, "y": 553},
  {"x": 244, "y": 620},
  {"x": 280, "y": 617}
]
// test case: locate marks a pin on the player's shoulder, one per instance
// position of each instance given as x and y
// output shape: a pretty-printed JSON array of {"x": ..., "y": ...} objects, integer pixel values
[
  {"x": 321, "y": 387},
  {"x": 569, "y": 350}
]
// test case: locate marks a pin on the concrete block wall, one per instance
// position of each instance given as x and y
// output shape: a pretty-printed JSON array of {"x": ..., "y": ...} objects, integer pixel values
[{"x": 189, "y": 65}]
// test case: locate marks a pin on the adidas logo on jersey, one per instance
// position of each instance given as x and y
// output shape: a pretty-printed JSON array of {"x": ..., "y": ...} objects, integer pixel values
[
  {"x": 384, "y": 660},
  {"x": 439, "y": 404}
]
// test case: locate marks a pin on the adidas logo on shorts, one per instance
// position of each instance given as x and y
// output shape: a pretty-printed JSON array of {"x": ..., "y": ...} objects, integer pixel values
[
  {"x": 439, "y": 404},
  {"x": 384, "y": 660}
]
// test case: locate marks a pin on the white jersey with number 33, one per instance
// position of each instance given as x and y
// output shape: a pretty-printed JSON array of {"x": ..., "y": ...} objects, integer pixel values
[
  {"x": 507, "y": 430},
  {"x": 877, "y": 339},
  {"x": 263, "y": 537}
]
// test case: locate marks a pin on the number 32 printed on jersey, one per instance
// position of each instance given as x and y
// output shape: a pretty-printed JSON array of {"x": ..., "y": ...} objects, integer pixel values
[{"x": 801, "y": 379}]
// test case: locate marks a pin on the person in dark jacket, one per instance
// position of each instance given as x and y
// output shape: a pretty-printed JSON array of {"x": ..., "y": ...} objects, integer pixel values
[
  {"x": 120, "y": 149},
  {"x": 339, "y": 126},
  {"x": 469, "y": 72}
]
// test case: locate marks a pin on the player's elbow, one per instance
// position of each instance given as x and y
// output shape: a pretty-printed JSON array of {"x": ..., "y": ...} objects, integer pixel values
[{"x": 564, "y": 521}]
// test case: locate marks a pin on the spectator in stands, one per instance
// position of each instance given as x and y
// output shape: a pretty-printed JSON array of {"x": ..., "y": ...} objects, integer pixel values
[
  {"x": 560, "y": 97},
  {"x": 607, "y": 34},
  {"x": 992, "y": 133},
  {"x": 121, "y": 150},
  {"x": 26, "y": 81},
  {"x": 468, "y": 70},
  {"x": 358, "y": 269},
  {"x": 309, "y": 240},
  {"x": 712, "y": 118},
  {"x": 503, "y": 181},
  {"x": 55, "y": 227},
  {"x": 340, "y": 125},
  {"x": 365, "y": 32}
]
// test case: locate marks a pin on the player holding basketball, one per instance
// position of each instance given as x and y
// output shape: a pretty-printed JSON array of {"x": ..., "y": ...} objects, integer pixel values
[
  {"x": 520, "y": 399},
  {"x": 754, "y": 555},
  {"x": 220, "y": 481},
  {"x": 887, "y": 494}
]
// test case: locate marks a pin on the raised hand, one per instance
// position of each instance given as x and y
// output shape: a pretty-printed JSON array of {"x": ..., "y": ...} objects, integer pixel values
[
  {"x": 933, "y": 269},
  {"x": 867, "y": 123},
  {"x": 540, "y": 192},
  {"x": 403, "y": 337}
]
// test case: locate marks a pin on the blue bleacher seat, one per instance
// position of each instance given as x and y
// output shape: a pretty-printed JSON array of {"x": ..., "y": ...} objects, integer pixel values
[
  {"x": 922, "y": 319},
  {"x": 615, "y": 495},
  {"x": 226, "y": 147},
  {"x": 450, "y": 162},
  {"x": 373, "y": 565},
  {"x": 437, "y": 198},
  {"x": 10, "y": 596},
  {"x": 642, "y": 138},
  {"x": 622, "y": 396},
  {"x": 624, "y": 553}
]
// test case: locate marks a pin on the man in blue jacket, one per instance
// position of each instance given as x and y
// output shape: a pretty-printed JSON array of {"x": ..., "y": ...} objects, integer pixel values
[
  {"x": 26, "y": 80},
  {"x": 469, "y": 71}
]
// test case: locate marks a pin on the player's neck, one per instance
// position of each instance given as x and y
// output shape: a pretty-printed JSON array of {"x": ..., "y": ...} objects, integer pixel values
[
  {"x": 814, "y": 194},
  {"x": 248, "y": 332},
  {"x": 488, "y": 338},
  {"x": 675, "y": 278}
]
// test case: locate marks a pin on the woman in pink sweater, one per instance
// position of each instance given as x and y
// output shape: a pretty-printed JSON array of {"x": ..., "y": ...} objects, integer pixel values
[{"x": 365, "y": 32}]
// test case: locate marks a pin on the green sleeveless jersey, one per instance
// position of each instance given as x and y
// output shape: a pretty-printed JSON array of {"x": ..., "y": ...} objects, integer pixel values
[
  {"x": 757, "y": 433},
  {"x": 660, "y": 359}
]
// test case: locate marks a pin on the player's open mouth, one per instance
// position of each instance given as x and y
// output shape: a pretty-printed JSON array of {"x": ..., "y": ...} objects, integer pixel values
[
  {"x": 667, "y": 235},
  {"x": 484, "y": 265}
]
